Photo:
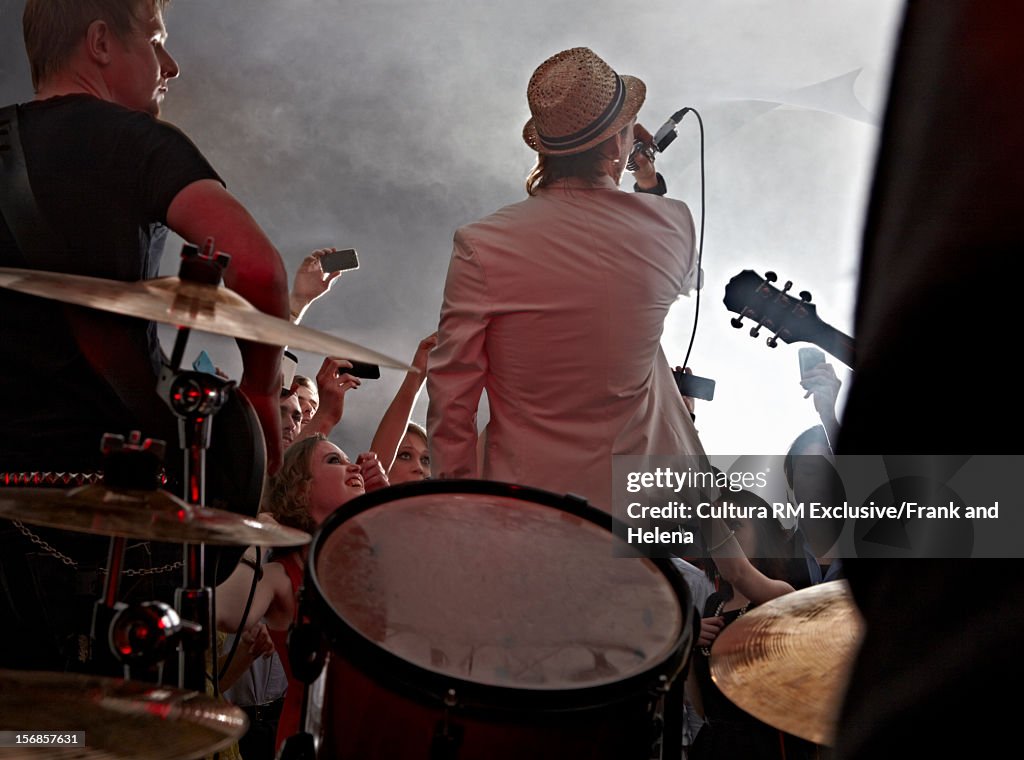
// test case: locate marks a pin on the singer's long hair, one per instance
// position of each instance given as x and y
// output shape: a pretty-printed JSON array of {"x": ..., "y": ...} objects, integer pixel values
[{"x": 588, "y": 166}]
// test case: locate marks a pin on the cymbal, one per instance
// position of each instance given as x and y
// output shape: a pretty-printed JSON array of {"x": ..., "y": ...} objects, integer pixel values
[
  {"x": 788, "y": 662},
  {"x": 171, "y": 300},
  {"x": 148, "y": 515},
  {"x": 121, "y": 719}
]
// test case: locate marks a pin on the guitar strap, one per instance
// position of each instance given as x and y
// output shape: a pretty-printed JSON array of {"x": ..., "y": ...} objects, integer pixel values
[{"x": 18, "y": 206}]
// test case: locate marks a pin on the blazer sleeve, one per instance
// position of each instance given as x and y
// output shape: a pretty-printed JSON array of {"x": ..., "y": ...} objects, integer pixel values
[{"x": 458, "y": 366}]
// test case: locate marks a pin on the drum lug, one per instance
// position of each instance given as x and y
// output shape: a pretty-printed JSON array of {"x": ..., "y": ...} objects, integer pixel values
[{"x": 447, "y": 735}]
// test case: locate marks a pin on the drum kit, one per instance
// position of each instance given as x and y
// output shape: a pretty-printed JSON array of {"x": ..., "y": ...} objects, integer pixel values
[{"x": 460, "y": 619}]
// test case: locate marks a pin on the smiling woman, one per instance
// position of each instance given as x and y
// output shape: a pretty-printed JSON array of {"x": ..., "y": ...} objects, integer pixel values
[{"x": 316, "y": 478}]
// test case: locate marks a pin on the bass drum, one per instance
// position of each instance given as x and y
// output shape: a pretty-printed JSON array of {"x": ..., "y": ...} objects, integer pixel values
[{"x": 471, "y": 619}]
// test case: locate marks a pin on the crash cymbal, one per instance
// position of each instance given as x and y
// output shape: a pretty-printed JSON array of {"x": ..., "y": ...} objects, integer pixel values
[
  {"x": 121, "y": 719},
  {"x": 149, "y": 515},
  {"x": 170, "y": 300},
  {"x": 788, "y": 661}
]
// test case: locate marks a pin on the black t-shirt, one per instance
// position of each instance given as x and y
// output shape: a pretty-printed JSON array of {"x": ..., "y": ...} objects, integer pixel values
[{"x": 103, "y": 177}]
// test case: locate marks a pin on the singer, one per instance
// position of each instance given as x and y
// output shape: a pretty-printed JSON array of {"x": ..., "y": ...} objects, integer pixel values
[{"x": 556, "y": 304}]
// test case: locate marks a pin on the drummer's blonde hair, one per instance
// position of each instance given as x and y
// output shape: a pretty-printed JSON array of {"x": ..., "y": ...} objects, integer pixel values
[{"x": 286, "y": 495}]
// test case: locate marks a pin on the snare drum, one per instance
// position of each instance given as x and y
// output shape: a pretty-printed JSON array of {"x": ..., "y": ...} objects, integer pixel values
[{"x": 471, "y": 619}]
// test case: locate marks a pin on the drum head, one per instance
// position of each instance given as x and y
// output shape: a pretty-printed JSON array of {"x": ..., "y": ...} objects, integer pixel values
[{"x": 491, "y": 586}]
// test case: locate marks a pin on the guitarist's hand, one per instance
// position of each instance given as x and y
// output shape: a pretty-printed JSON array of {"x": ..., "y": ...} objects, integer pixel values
[{"x": 268, "y": 411}]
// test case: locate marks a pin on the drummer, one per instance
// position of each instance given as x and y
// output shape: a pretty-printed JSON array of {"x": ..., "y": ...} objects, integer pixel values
[{"x": 109, "y": 179}]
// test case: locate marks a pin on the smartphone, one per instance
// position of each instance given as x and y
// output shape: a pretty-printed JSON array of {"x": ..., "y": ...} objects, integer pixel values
[
  {"x": 809, "y": 359},
  {"x": 289, "y": 364},
  {"x": 203, "y": 363},
  {"x": 694, "y": 386},
  {"x": 340, "y": 261},
  {"x": 361, "y": 369}
]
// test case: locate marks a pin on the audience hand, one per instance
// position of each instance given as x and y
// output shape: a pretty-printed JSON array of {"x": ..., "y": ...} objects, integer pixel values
[
  {"x": 373, "y": 473},
  {"x": 332, "y": 388},
  {"x": 311, "y": 282},
  {"x": 256, "y": 641},
  {"x": 419, "y": 360},
  {"x": 821, "y": 383},
  {"x": 710, "y": 627}
]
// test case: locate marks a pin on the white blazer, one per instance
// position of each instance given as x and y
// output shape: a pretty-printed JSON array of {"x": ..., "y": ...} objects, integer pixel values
[{"x": 556, "y": 306}]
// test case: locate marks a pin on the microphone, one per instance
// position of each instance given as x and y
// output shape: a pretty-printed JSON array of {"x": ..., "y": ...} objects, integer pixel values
[
  {"x": 662, "y": 139},
  {"x": 664, "y": 136}
]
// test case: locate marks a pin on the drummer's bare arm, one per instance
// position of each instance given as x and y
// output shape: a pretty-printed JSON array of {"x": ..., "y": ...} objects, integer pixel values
[
  {"x": 332, "y": 383},
  {"x": 206, "y": 209},
  {"x": 395, "y": 421},
  {"x": 310, "y": 282}
]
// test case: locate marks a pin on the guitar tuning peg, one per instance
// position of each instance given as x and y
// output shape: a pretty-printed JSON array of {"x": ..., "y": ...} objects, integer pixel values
[
  {"x": 805, "y": 296},
  {"x": 773, "y": 342},
  {"x": 755, "y": 331},
  {"x": 736, "y": 322},
  {"x": 771, "y": 276},
  {"x": 787, "y": 286}
]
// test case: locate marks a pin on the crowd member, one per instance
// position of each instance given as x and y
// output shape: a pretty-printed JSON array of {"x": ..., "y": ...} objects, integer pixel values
[
  {"x": 729, "y": 732},
  {"x": 556, "y": 305},
  {"x": 412, "y": 462},
  {"x": 400, "y": 443},
  {"x": 291, "y": 416},
  {"x": 316, "y": 478},
  {"x": 811, "y": 477},
  {"x": 309, "y": 397},
  {"x": 107, "y": 179}
]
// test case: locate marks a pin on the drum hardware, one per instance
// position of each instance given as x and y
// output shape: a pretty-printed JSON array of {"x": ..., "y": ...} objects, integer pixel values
[
  {"x": 194, "y": 398},
  {"x": 447, "y": 735},
  {"x": 787, "y": 662},
  {"x": 307, "y": 654},
  {"x": 122, "y": 720}
]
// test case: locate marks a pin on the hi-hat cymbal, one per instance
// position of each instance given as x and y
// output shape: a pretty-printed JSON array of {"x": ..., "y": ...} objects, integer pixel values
[
  {"x": 121, "y": 719},
  {"x": 788, "y": 661},
  {"x": 148, "y": 515},
  {"x": 170, "y": 300}
]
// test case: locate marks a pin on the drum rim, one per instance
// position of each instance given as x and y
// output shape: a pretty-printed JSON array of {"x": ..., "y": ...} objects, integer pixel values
[{"x": 432, "y": 688}]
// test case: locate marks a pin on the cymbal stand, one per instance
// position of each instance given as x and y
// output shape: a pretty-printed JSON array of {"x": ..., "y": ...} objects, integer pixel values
[
  {"x": 140, "y": 634},
  {"x": 195, "y": 397}
]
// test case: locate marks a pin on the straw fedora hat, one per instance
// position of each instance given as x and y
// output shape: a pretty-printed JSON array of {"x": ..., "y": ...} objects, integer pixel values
[{"x": 577, "y": 102}]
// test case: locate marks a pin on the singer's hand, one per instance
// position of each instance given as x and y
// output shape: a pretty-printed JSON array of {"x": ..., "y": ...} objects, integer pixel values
[{"x": 645, "y": 175}]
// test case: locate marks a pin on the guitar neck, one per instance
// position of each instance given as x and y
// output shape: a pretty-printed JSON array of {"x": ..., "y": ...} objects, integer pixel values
[{"x": 838, "y": 344}]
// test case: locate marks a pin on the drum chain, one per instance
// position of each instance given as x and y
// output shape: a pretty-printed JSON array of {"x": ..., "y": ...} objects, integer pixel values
[{"x": 57, "y": 554}]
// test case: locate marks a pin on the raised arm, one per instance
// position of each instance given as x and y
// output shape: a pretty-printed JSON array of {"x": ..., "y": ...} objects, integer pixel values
[
  {"x": 393, "y": 424},
  {"x": 735, "y": 568}
]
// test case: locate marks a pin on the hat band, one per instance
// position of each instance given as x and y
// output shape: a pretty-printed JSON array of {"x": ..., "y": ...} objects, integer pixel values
[{"x": 585, "y": 135}]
